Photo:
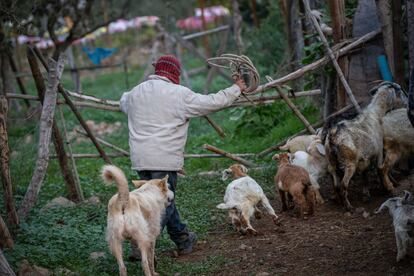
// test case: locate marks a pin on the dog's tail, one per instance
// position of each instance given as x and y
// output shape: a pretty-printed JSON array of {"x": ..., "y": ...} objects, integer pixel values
[{"x": 111, "y": 174}]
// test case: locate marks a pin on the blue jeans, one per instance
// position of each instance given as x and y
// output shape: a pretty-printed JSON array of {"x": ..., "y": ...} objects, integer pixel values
[{"x": 176, "y": 229}]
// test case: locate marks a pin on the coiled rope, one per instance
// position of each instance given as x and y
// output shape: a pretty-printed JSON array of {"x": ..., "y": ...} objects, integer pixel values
[{"x": 240, "y": 67}]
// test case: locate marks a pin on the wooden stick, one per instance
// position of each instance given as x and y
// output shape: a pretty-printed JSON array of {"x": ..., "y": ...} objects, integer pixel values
[
  {"x": 6, "y": 239},
  {"x": 114, "y": 105},
  {"x": 207, "y": 32},
  {"x": 103, "y": 142},
  {"x": 76, "y": 112},
  {"x": 78, "y": 187},
  {"x": 186, "y": 155},
  {"x": 332, "y": 56},
  {"x": 293, "y": 107},
  {"x": 229, "y": 155},
  {"x": 316, "y": 64},
  {"x": 58, "y": 143},
  {"x": 5, "y": 268},
  {"x": 18, "y": 79},
  {"x": 46, "y": 121},
  {"x": 216, "y": 127}
]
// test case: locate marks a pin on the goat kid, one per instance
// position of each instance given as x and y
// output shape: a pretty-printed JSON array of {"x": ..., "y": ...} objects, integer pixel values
[
  {"x": 242, "y": 198},
  {"x": 299, "y": 143},
  {"x": 352, "y": 145},
  {"x": 294, "y": 181},
  {"x": 402, "y": 213},
  {"x": 135, "y": 215},
  {"x": 314, "y": 162}
]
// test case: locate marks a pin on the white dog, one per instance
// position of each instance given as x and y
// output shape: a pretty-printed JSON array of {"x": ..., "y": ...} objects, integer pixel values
[
  {"x": 243, "y": 196},
  {"x": 402, "y": 211},
  {"x": 135, "y": 215}
]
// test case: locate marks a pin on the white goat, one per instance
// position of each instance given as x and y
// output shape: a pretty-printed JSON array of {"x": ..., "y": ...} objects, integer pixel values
[
  {"x": 299, "y": 143},
  {"x": 398, "y": 142},
  {"x": 353, "y": 145},
  {"x": 243, "y": 196},
  {"x": 402, "y": 214},
  {"x": 314, "y": 162}
]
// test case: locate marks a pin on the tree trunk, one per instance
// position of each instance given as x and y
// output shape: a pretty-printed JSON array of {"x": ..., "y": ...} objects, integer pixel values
[
  {"x": 398, "y": 42},
  {"x": 337, "y": 9},
  {"x": 410, "y": 29},
  {"x": 237, "y": 21},
  {"x": 363, "y": 68},
  {"x": 56, "y": 135},
  {"x": 256, "y": 20},
  {"x": 5, "y": 237},
  {"x": 5, "y": 269},
  {"x": 46, "y": 122},
  {"x": 4, "y": 144}
]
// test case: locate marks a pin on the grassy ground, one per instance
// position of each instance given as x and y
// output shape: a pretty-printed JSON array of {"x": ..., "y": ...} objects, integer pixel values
[{"x": 64, "y": 237}]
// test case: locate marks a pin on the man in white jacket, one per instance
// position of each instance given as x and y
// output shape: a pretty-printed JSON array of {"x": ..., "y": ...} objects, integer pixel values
[{"x": 158, "y": 112}]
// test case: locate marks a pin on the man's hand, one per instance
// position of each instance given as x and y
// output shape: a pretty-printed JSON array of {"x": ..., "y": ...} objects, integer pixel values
[{"x": 241, "y": 84}]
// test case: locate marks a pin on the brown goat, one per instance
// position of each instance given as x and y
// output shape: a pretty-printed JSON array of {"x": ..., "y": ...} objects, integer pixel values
[{"x": 294, "y": 181}]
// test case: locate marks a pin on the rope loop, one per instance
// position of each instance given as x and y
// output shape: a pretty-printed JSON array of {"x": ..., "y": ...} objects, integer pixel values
[{"x": 239, "y": 66}]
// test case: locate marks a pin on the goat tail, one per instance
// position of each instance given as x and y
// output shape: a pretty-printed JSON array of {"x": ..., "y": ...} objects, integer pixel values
[{"x": 112, "y": 174}]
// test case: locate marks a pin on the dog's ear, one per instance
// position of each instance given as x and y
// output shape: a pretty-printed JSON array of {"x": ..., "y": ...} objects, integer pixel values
[
  {"x": 139, "y": 183},
  {"x": 163, "y": 184}
]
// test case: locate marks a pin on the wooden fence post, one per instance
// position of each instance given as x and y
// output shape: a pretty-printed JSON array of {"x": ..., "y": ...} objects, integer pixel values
[
  {"x": 229, "y": 155},
  {"x": 68, "y": 177},
  {"x": 46, "y": 122},
  {"x": 5, "y": 269}
]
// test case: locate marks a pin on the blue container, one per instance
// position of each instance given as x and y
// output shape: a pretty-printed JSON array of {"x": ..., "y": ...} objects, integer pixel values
[{"x": 384, "y": 68}]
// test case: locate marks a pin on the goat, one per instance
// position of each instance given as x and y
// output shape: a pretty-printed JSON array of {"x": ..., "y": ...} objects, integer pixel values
[
  {"x": 294, "y": 181},
  {"x": 242, "y": 198},
  {"x": 398, "y": 142},
  {"x": 352, "y": 145},
  {"x": 402, "y": 214},
  {"x": 314, "y": 162},
  {"x": 299, "y": 143}
]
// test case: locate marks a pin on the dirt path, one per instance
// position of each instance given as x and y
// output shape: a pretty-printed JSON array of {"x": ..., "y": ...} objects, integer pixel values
[{"x": 330, "y": 243}]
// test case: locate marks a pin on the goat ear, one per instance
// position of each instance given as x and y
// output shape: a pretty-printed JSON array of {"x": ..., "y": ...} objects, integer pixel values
[
  {"x": 139, "y": 183},
  {"x": 243, "y": 169},
  {"x": 321, "y": 149},
  {"x": 225, "y": 174},
  {"x": 407, "y": 195}
]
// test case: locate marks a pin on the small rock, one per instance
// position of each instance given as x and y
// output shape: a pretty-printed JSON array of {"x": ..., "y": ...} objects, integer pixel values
[
  {"x": 348, "y": 214},
  {"x": 27, "y": 270},
  {"x": 365, "y": 214},
  {"x": 94, "y": 200},
  {"x": 96, "y": 255},
  {"x": 243, "y": 246},
  {"x": 28, "y": 139},
  {"x": 262, "y": 274},
  {"x": 59, "y": 202},
  {"x": 359, "y": 210}
]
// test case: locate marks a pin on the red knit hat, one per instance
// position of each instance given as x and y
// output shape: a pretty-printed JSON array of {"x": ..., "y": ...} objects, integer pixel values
[{"x": 168, "y": 66}]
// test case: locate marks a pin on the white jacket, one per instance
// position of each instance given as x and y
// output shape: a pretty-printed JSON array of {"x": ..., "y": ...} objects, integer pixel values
[{"x": 158, "y": 116}]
